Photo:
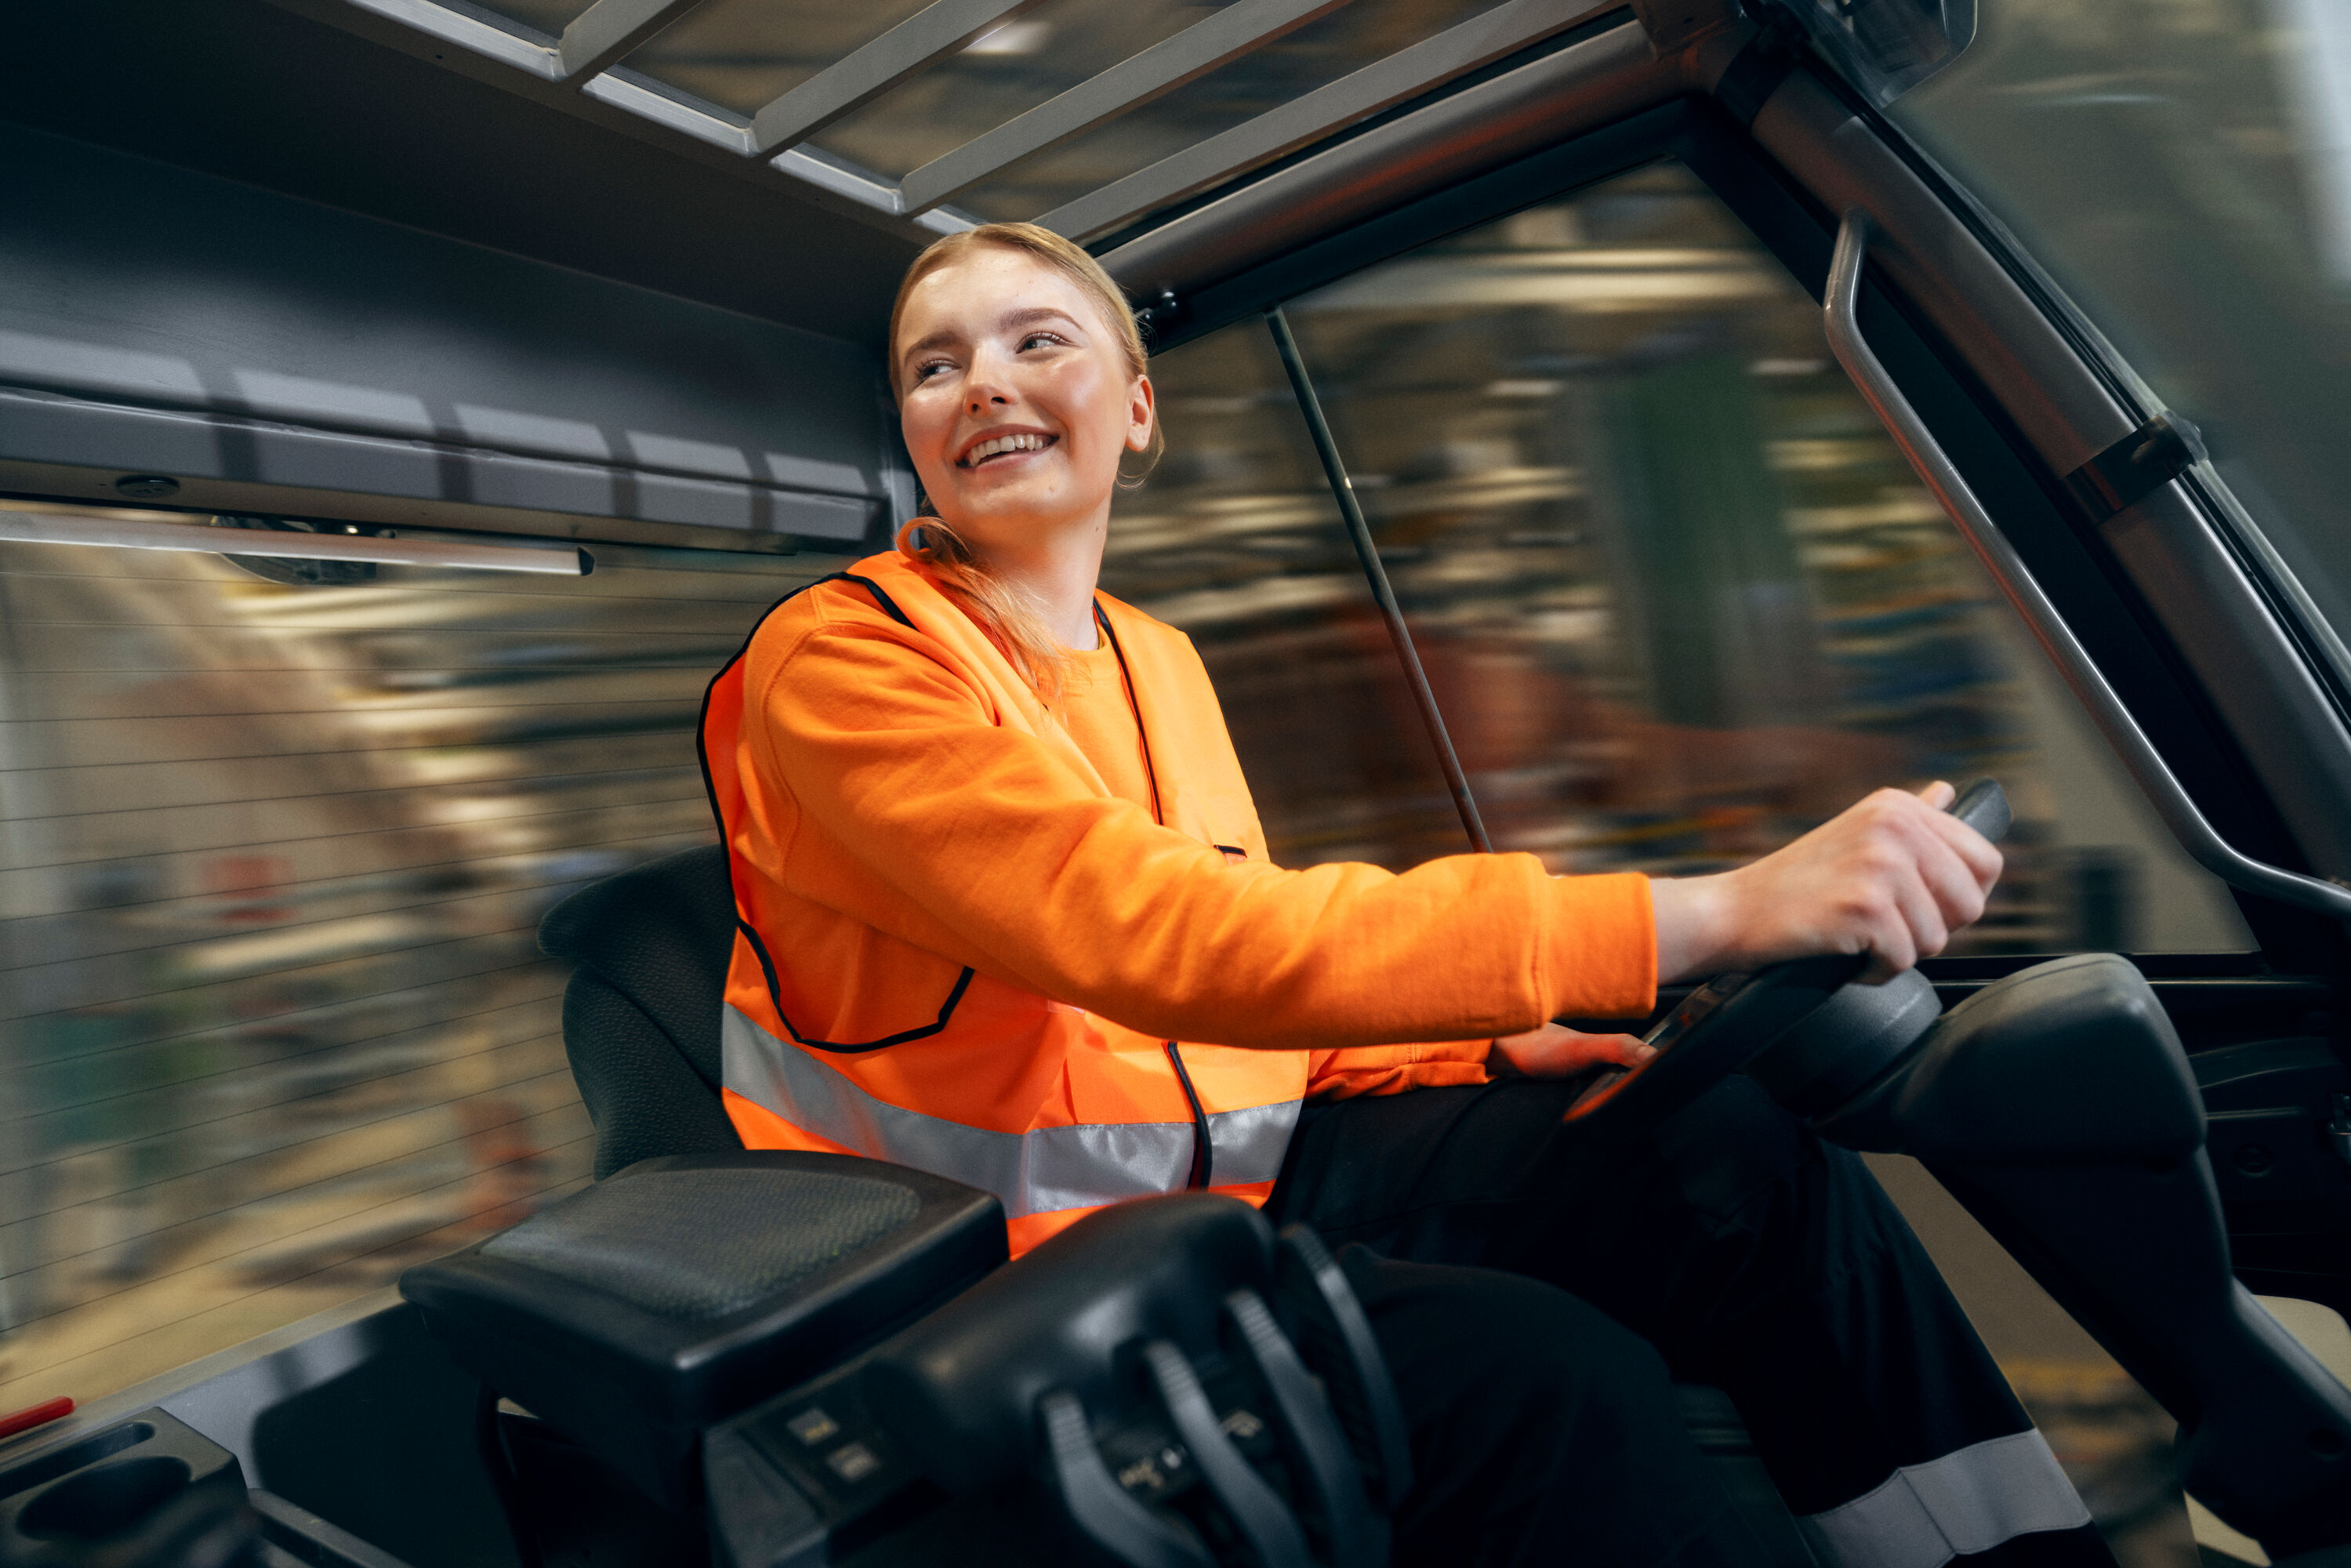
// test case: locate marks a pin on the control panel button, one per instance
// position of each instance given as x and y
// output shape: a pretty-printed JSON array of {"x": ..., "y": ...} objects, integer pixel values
[{"x": 812, "y": 1426}]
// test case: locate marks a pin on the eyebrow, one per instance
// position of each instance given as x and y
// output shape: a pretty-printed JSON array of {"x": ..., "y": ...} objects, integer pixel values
[{"x": 1008, "y": 321}]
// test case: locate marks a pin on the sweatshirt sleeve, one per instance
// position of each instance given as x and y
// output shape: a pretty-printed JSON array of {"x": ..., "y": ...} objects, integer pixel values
[
  {"x": 978, "y": 842},
  {"x": 1365, "y": 1070}
]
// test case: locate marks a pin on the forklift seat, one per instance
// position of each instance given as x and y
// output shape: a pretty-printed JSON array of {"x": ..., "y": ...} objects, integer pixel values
[{"x": 641, "y": 1014}]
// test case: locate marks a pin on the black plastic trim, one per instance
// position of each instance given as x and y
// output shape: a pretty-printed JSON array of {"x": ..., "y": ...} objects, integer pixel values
[
  {"x": 1754, "y": 75},
  {"x": 2133, "y": 467}
]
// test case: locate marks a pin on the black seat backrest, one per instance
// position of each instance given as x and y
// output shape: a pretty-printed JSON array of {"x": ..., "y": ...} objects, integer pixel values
[{"x": 641, "y": 1014}]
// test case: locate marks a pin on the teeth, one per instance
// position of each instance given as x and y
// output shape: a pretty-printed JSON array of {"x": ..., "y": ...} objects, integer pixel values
[{"x": 988, "y": 449}]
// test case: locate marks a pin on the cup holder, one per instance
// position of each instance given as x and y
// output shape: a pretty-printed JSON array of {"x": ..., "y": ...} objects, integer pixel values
[
  {"x": 153, "y": 1492},
  {"x": 130, "y": 1494},
  {"x": 110, "y": 1498}
]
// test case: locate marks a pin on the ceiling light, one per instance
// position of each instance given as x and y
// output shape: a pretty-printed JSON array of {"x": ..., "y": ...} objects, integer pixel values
[{"x": 1012, "y": 38}]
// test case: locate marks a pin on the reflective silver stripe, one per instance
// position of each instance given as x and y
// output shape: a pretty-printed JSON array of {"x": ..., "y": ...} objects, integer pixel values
[
  {"x": 1035, "y": 1172},
  {"x": 1971, "y": 1501},
  {"x": 1249, "y": 1145}
]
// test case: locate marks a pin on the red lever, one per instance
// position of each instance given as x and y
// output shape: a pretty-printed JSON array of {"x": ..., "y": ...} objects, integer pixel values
[{"x": 32, "y": 1415}]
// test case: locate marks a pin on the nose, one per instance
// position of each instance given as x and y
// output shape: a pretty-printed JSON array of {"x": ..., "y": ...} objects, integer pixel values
[{"x": 985, "y": 385}]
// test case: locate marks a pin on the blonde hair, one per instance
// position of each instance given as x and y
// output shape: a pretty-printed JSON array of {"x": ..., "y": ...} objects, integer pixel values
[{"x": 1007, "y": 612}]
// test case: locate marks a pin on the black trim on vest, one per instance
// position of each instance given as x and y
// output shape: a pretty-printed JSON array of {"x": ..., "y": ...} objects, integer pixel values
[
  {"x": 1134, "y": 704},
  {"x": 889, "y": 605},
  {"x": 768, "y": 968},
  {"x": 710, "y": 791},
  {"x": 1204, "y": 1148}
]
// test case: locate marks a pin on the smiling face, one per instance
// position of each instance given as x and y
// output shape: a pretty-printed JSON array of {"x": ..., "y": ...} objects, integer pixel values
[{"x": 1017, "y": 401}]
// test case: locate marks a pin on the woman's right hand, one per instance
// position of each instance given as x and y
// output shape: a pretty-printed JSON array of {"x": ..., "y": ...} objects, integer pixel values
[{"x": 1893, "y": 876}]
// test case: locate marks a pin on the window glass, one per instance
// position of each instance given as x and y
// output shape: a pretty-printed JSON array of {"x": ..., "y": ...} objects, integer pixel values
[
  {"x": 277, "y": 1025},
  {"x": 1679, "y": 596},
  {"x": 2184, "y": 170}
]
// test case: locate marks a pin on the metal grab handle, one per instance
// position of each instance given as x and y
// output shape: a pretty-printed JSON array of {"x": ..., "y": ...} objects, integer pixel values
[{"x": 1842, "y": 308}]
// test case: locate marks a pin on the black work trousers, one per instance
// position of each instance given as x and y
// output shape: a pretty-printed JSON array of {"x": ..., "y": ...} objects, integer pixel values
[{"x": 1537, "y": 1297}]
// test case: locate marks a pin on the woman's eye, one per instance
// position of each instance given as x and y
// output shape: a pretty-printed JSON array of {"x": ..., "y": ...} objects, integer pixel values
[
  {"x": 923, "y": 373},
  {"x": 1033, "y": 339}
]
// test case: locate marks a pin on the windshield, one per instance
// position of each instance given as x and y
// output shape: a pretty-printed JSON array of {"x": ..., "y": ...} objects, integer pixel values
[
  {"x": 2183, "y": 169},
  {"x": 1678, "y": 595}
]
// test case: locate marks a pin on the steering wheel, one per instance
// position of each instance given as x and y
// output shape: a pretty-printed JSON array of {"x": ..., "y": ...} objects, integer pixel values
[{"x": 1729, "y": 1020}]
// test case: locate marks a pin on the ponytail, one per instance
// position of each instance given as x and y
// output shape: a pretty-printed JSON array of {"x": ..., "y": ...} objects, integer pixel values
[{"x": 1006, "y": 611}]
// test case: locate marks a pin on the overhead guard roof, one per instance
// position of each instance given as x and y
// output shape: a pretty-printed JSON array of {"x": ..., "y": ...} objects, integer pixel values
[{"x": 705, "y": 147}]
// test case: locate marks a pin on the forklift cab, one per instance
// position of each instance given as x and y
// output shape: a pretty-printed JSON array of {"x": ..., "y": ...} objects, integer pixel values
[{"x": 405, "y": 405}]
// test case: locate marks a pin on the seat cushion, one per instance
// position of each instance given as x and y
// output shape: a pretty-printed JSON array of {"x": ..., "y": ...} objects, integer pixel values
[{"x": 698, "y": 1243}]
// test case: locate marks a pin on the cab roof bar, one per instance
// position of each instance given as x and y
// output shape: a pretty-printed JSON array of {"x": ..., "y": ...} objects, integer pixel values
[
  {"x": 1842, "y": 314},
  {"x": 625, "y": 89},
  {"x": 864, "y": 73},
  {"x": 1225, "y": 36},
  {"x": 1408, "y": 73},
  {"x": 469, "y": 33},
  {"x": 602, "y": 35}
]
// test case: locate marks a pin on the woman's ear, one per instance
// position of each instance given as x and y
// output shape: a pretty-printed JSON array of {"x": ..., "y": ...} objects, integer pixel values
[{"x": 1142, "y": 415}]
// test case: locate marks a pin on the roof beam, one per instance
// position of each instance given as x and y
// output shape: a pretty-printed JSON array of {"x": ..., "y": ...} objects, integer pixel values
[
  {"x": 467, "y": 33},
  {"x": 1406, "y": 73},
  {"x": 920, "y": 41},
  {"x": 602, "y": 36},
  {"x": 1167, "y": 65}
]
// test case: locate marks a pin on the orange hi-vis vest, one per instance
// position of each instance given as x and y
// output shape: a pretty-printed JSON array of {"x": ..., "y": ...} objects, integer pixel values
[{"x": 958, "y": 950}]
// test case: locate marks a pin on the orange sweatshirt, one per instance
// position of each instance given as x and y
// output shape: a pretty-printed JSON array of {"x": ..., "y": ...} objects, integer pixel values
[{"x": 899, "y": 807}]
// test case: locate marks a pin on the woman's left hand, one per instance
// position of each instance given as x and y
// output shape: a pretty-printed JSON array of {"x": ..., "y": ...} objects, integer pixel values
[{"x": 1554, "y": 1050}]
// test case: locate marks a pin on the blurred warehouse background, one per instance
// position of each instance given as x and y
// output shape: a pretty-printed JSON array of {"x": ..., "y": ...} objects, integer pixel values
[{"x": 272, "y": 852}]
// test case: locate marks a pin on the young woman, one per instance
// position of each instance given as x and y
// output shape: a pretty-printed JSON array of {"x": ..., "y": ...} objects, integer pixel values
[{"x": 1006, "y": 915}]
